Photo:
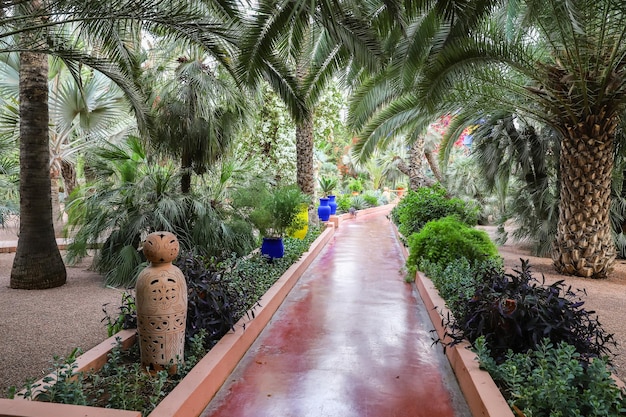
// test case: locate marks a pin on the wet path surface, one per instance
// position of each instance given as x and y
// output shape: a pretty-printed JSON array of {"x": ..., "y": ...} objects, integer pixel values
[{"x": 351, "y": 340}]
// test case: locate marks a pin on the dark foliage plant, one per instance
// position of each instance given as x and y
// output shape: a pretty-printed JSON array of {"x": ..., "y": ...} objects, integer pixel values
[
  {"x": 430, "y": 203},
  {"x": 445, "y": 240},
  {"x": 126, "y": 317},
  {"x": 516, "y": 312},
  {"x": 213, "y": 301}
]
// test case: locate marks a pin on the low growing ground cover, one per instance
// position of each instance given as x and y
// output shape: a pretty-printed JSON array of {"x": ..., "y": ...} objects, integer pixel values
[{"x": 219, "y": 295}]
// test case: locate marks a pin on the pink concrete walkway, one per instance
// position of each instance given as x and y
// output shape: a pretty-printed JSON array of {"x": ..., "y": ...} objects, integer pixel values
[{"x": 351, "y": 340}]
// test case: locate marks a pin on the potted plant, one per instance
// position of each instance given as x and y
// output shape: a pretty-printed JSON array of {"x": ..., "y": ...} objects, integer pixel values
[
  {"x": 327, "y": 185},
  {"x": 274, "y": 212}
]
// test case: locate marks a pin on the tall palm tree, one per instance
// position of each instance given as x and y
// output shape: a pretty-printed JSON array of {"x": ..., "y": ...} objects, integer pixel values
[
  {"x": 46, "y": 29},
  {"x": 38, "y": 263},
  {"x": 556, "y": 62},
  {"x": 563, "y": 67},
  {"x": 298, "y": 46}
]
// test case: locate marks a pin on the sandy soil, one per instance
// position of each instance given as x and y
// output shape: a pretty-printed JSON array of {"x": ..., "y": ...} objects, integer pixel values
[{"x": 36, "y": 325}]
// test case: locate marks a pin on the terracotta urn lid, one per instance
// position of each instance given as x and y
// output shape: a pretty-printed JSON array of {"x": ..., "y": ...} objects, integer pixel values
[{"x": 161, "y": 247}]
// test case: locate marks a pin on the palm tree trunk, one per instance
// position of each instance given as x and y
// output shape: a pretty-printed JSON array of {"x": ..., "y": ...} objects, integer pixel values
[
  {"x": 38, "y": 263},
  {"x": 434, "y": 166},
  {"x": 68, "y": 171},
  {"x": 304, "y": 159},
  {"x": 584, "y": 243}
]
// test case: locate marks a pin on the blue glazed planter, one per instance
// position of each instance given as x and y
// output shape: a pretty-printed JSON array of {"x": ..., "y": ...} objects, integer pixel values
[
  {"x": 332, "y": 204},
  {"x": 273, "y": 247},
  {"x": 323, "y": 211}
]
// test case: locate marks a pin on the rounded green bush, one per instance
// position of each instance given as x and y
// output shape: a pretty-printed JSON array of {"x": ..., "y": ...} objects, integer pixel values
[
  {"x": 445, "y": 240},
  {"x": 430, "y": 203}
]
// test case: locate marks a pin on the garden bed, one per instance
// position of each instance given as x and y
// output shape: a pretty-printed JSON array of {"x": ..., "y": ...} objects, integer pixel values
[
  {"x": 195, "y": 391},
  {"x": 483, "y": 397}
]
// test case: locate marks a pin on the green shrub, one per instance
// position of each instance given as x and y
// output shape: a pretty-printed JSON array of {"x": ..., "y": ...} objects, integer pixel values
[
  {"x": 457, "y": 281},
  {"x": 370, "y": 199},
  {"x": 429, "y": 203},
  {"x": 553, "y": 381},
  {"x": 344, "y": 202},
  {"x": 445, "y": 240}
]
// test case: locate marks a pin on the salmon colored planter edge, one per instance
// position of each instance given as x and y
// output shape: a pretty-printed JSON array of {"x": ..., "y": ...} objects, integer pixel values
[
  {"x": 191, "y": 396},
  {"x": 480, "y": 391}
]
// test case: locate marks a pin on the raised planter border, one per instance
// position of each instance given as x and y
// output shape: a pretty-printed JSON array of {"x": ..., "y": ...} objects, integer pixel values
[
  {"x": 481, "y": 393},
  {"x": 191, "y": 396}
]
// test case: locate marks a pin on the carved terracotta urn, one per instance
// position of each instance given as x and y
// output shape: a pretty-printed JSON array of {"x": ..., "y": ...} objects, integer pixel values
[{"x": 161, "y": 305}]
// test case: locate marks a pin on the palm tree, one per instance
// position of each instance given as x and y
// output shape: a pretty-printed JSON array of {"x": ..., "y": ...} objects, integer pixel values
[
  {"x": 562, "y": 68},
  {"x": 103, "y": 29},
  {"x": 298, "y": 47},
  {"x": 555, "y": 62},
  {"x": 198, "y": 112},
  {"x": 38, "y": 263},
  {"x": 81, "y": 115}
]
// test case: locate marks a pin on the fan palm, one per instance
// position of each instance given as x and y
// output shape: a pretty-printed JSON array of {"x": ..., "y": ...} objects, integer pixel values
[
  {"x": 198, "y": 112},
  {"x": 132, "y": 197},
  {"x": 96, "y": 34},
  {"x": 298, "y": 46}
]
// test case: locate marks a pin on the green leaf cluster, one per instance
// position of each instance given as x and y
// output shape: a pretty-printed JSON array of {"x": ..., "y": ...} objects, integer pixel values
[
  {"x": 272, "y": 211},
  {"x": 420, "y": 206},
  {"x": 553, "y": 382},
  {"x": 448, "y": 239}
]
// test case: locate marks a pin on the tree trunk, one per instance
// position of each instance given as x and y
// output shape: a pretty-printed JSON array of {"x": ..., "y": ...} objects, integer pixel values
[
  {"x": 434, "y": 166},
  {"x": 304, "y": 161},
  {"x": 68, "y": 171},
  {"x": 416, "y": 175},
  {"x": 57, "y": 213},
  {"x": 38, "y": 263},
  {"x": 584, "y": 243},
  {"x": 185, "y": 178}
]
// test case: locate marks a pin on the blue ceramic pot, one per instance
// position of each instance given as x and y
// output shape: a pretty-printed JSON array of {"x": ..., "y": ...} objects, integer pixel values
[
  {"x": 323, "y": 211},
  {"x": 332, "y": 204},
  {"x": 273, "y": 247}
]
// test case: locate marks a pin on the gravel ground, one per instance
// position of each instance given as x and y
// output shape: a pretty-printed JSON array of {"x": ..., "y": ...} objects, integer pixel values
[{"x": 37, "y": 325}]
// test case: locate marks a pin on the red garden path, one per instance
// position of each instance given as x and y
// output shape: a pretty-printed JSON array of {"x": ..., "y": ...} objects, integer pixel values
[{"x": 352, "y": 339}]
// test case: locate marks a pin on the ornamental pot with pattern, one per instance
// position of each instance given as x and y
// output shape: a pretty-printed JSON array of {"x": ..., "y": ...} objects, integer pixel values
[{"x": 161, "y": 305}]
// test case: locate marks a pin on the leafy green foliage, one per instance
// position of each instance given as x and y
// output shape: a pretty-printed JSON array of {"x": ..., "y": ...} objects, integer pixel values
[
  {"x": 271, "y": 210},
  {"x": 344, "y": 202},
  {"x": 355, "y": 185},
  {"x": 429, "y": 203},
  {"x": 514, "y": 312},
  {"x": 553, "y": 381},
  {"x": 445, "y": 240},
  {"x": 230, "y": 290},
  {"x": 131, "y": 197},
  {"x": 62, "y": 388},
  {"x": 458, "y": 280},
  {"x": 126, "y": 317},
  {"x": 327, "y": 185},
  {"x": 371, "y": 200}
]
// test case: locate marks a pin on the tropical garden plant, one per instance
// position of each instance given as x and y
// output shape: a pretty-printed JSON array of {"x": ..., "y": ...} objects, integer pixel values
[
  {"x": 272, "y": 210},
  {"x": 327, "y": 185},
  {"x": 430, "y": 203},
  {"x": 133, "y": 196}
]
